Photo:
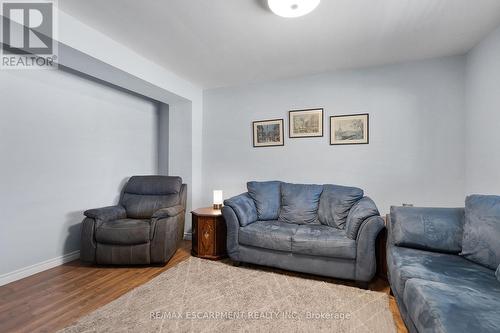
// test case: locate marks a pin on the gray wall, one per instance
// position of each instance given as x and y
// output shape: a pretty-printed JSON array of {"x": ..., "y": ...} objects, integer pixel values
[
  {"x": 416, "y": 145},
  {"x": 180, "y": 161},
  {"x": 67, "y": 144},
  {"x": 163, "y": 138},
  {"x": 483, "y": 117}
]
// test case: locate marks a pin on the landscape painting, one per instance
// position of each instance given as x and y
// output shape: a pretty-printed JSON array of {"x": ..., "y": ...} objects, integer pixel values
[
  {"x": 305, "y": 123},
  {"x": 268, "y": 133},
  {"x": 349, "y": 129}
]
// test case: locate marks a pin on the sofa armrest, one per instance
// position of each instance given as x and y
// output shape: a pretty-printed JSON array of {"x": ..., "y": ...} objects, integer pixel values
[
  {"x": 233, "y": 227},
  {"x": 244, "y": 207},
  {"x": 165, "y": 233},
  {"x": 362, "y": 210},
  {"x": 366, "y": 262},
  {"x": 183, "y": 196},
  {"x": 168, "y": 212},
  {"x": 87, "y": 240},
  {"x": 432, "y": 229},
  {"x": 107, "y": 213}
]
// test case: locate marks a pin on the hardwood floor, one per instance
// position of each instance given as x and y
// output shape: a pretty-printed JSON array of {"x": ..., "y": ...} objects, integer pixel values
[{"x": 53, "y": 299}]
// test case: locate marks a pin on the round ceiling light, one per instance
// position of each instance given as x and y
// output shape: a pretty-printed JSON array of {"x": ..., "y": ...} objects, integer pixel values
[{"x": 292, "y": 8}]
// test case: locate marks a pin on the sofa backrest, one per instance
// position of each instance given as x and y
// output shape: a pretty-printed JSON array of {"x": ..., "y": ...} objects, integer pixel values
[
  {"x": 481, "y": 240},
  {"x": 267, "y": 198},
  {"x": 144, "y": 195},
  {"x": 433, "y": 229},
  {"x": 303, "y": 203}
]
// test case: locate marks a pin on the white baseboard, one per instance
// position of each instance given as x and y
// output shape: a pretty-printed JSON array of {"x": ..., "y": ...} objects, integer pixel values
[
  {"x": 47, "y": 264},
  {"x": 37, "y": 268}
]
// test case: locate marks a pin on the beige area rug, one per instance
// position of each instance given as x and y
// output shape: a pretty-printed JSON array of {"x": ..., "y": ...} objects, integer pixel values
[{"x": 200, "y": 295}]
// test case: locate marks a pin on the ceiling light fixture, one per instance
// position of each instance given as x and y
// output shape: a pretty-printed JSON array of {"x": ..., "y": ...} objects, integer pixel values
[{"x": 292, "y": 8}]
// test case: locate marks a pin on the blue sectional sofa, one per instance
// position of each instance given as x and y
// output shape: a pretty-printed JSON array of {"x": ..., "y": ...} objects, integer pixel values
[
  {"x": 441, "y": 266},
  {"x": 327, "y": 230}
]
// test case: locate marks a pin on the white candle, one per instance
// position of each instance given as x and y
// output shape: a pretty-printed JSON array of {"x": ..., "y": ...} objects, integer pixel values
[{"x": 218, "y": 198}]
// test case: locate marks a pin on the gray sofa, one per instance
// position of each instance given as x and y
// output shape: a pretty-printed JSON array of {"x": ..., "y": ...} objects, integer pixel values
[
  {"x": 144, "y": 228},
  {"x": 327, "y": 230},
  {"x": 441, "y": 266}
]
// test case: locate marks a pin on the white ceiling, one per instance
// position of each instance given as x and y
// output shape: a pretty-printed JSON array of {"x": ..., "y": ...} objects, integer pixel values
[{"x": 217, "y": 43}]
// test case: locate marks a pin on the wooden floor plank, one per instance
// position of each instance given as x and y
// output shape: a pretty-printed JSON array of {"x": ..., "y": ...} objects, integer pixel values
[{"x": 53, "y": 299}]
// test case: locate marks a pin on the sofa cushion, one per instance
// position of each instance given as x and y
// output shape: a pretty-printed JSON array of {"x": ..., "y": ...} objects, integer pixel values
[
  {"x": 435, "y": 229},
  {"x": 267, "y": 197},
  {"x": 482, "y": 230},
  {"x": 405, "y": 263},
  {"x": 299, "y": 203},
  {"x": 321, "y": 240},
  {"x": 336, "y": 202},
  {"x": 272, "y": 235},
  {"x": 444, "y": 307},
  {"x": 123, "y": 232},
  {"x": 361, "y": 210},
  {"x": 244, "y": 208}
]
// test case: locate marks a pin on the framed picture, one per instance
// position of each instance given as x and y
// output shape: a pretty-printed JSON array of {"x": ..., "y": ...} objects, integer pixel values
[
  {"x": 349, "y": 129},
  {"x": 305, "y": 123},
  {"x": 268, "y": 133}
]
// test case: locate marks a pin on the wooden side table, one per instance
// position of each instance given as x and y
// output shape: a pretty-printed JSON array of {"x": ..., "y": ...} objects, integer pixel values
[{"x": 209, "y": 234}]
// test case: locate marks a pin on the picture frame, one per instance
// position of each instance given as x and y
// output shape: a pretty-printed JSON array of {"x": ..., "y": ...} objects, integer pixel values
[
  {"x": 268, "y": 133},
  {"x": 350, "y": 129},
  {"x": 307, "y": 123}
]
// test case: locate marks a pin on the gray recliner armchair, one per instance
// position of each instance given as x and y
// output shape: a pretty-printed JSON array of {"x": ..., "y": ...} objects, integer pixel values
[{"x": 144, "y": 228}]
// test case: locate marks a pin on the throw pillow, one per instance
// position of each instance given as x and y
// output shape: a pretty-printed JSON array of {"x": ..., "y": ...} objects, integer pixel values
[
  {"x": 299, "y": 203},
  {"x": 335, "y": 203}
]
